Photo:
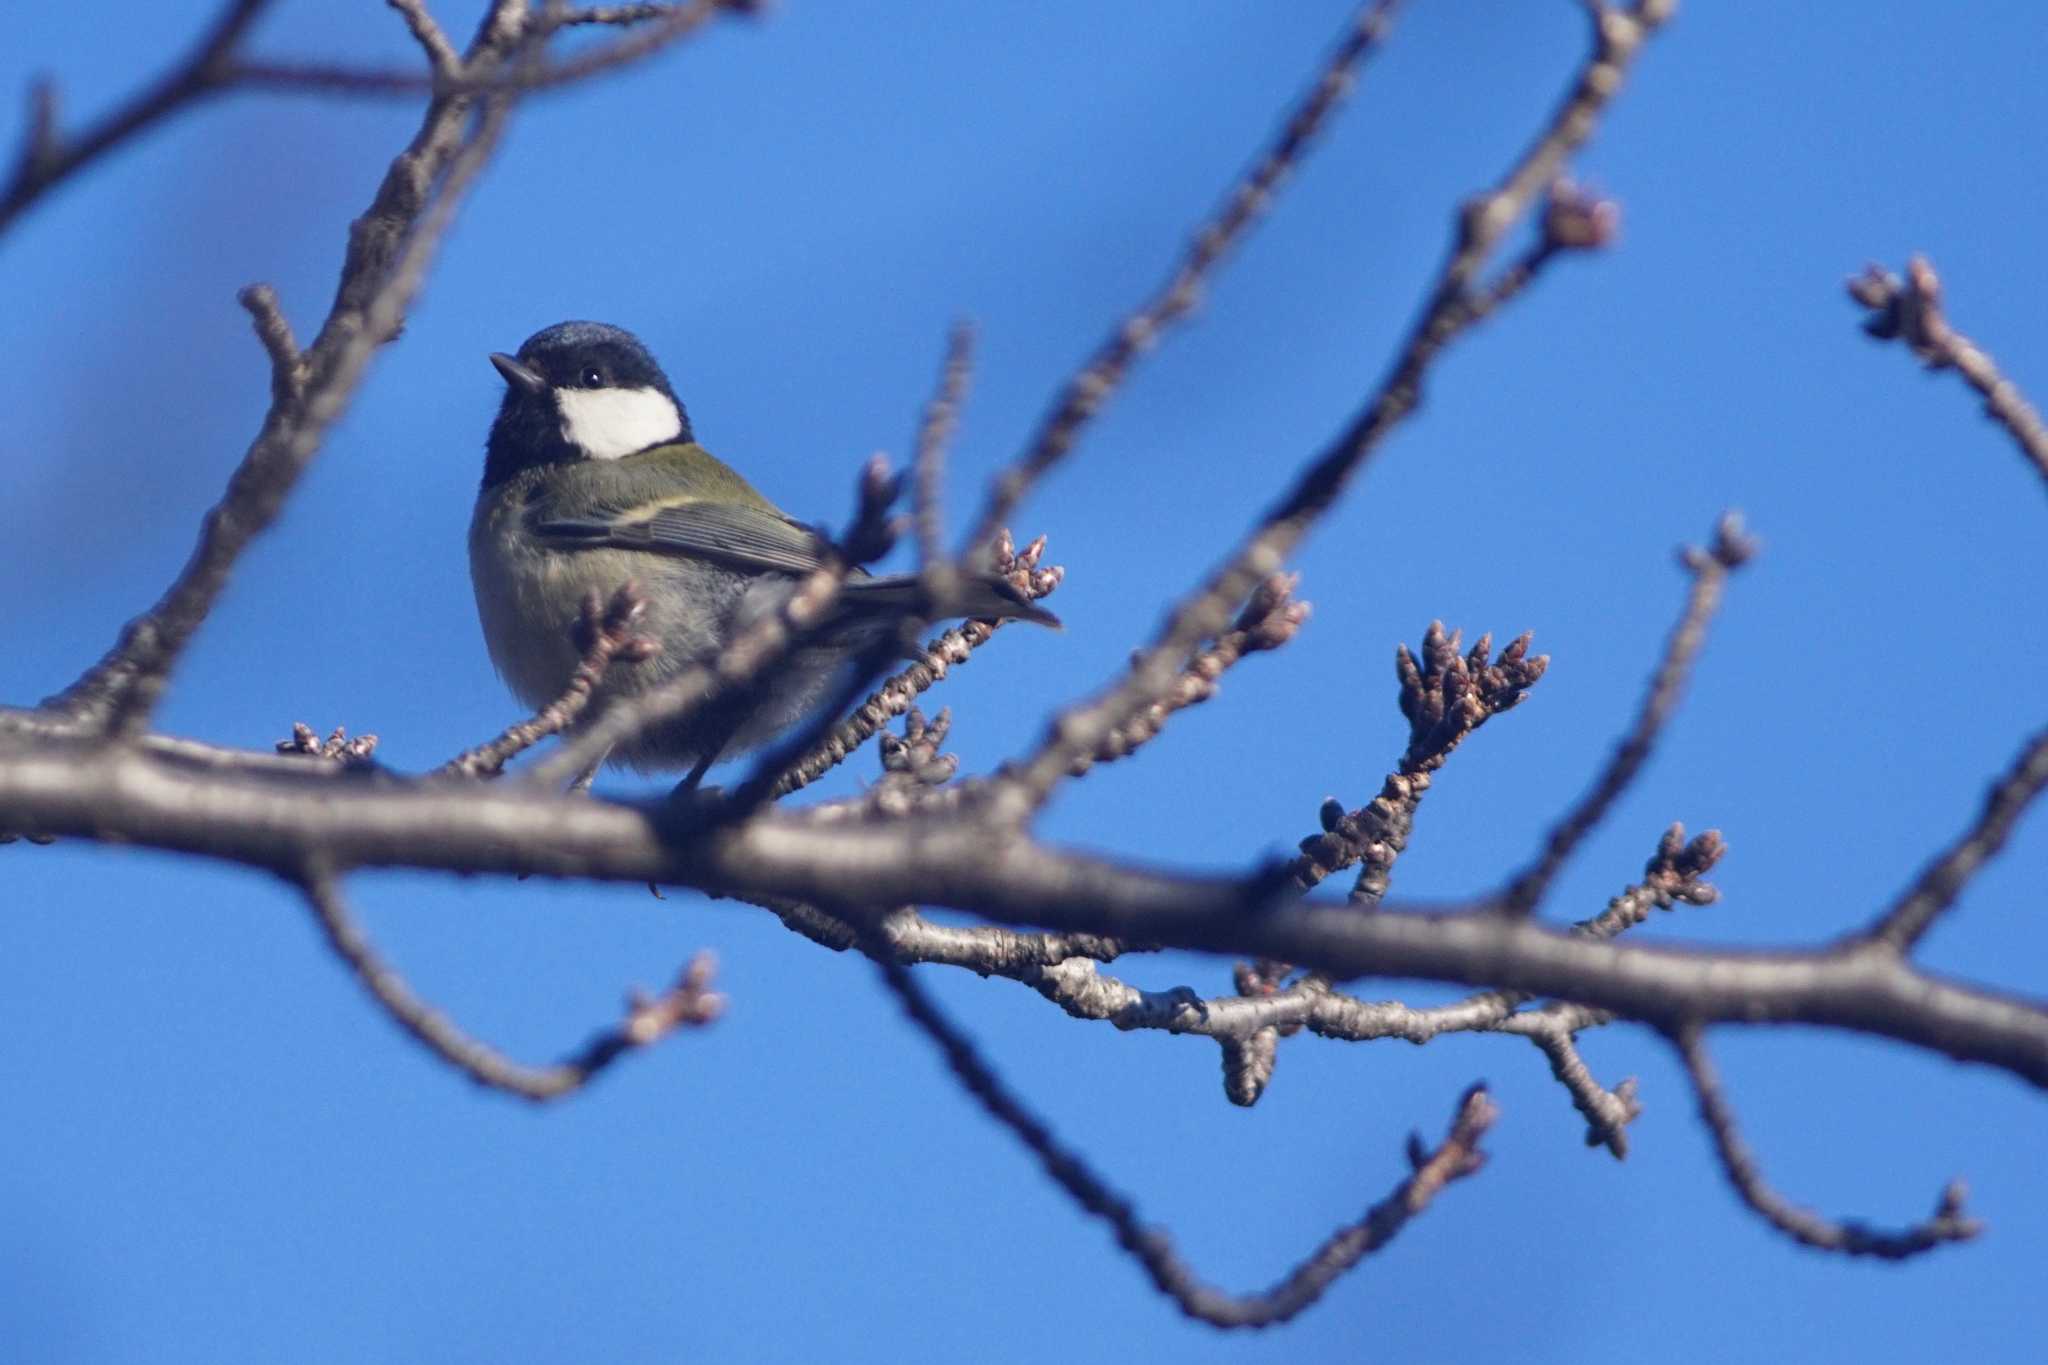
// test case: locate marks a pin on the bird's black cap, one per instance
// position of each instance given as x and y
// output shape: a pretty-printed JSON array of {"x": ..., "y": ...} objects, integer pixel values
[{"x": 588, "y": 355}]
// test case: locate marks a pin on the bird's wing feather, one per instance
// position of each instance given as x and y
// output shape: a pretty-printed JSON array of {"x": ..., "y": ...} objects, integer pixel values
[{"x": 734, "y": 534}]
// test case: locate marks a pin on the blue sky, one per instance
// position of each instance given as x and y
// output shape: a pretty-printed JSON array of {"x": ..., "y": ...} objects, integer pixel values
[{"x": 216, "y": 1151}]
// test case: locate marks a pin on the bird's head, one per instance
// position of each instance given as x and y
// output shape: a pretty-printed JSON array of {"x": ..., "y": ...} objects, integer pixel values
[{"x": 580, "y": 391}]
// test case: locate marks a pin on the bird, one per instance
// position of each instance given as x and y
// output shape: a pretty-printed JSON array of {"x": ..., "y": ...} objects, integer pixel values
[{"x": 593, "y": 478}]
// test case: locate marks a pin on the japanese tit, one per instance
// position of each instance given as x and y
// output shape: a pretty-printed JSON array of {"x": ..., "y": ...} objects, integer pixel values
[{"x": 591, "y": 478}]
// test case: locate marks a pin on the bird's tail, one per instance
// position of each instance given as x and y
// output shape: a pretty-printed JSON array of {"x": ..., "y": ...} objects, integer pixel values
[{"x": 986, "y": 596}]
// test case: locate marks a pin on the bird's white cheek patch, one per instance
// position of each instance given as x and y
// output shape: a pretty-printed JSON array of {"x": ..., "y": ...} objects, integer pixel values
[{"x": 608, "y": 423}]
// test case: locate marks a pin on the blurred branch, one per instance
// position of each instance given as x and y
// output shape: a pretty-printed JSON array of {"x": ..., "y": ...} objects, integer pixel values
[
  {"x": 1949, "y": 1223},
  {"x": 1608, "y": 1113},
  {"x": 656, "y": 27},
  {"x": 1935, "y": 890},
  {"x": 1457, "y": 1157},
  {"x": 1245, "y": 203},
  {"x": 336, "y": 748},
  {"x": 934, "y": 434},
  {"x": 1269, "y": 620},
  {"x": 1730, "y": 550},
  {"x": 1910, "y": 311},
  {"x": 690, "y": 1003},
  {"x": 47, "y": 157},
  {"x": 389, "y": 250}
]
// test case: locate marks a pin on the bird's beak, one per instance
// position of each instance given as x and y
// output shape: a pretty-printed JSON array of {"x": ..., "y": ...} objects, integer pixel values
[{"x": 522, "y": 377}]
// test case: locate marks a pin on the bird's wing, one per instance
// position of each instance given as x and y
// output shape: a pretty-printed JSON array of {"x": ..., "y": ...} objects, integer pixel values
[{"x": 733, "y": 534}]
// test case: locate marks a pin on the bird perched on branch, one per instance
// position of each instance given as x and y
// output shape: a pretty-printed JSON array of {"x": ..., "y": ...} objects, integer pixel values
[{"x": 592, "y": 478}]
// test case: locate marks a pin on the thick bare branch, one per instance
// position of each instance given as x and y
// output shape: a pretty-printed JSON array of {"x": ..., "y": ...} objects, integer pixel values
[
  {"x": 1458, "y": 1156},
  {"x": 1949, "y": 1223},
  {"x": 690, "y": 1003},
  {"x": 277, "y": 814}
]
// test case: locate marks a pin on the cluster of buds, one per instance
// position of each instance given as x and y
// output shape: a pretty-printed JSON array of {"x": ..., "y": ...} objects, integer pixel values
[{"x": 336, "y": 748}]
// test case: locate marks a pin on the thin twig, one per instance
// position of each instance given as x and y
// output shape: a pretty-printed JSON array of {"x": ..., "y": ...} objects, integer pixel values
[
  {"x": 935, "y": 433},
  {"x": 1949, "y": 1223},
  {"x": 1444, "y": 696},
  {"x": 618, "y": 16},
  {"x": 1709, "y": 568},
  {"x": 47, "y": 157},
  {"x": 1675, "y": 874},
  {"x": 1458, "y": 1156},
  {"x": 690, "y": 1003},
  {"x": 605, "y": 637},
  {"x": 274, "y": 333},
  {"x": 1245, "y": 203},
  {"x": 674, "y": 24},
  {"x": 1910, "y": 311},
  {"x": 1935, "y": 890},
  {"x": 940, "y": 656},
  {"x": 441, "y": 53},
  {"x": 1608, "y": 1113},
  {"x": 1269, "y": 620},
  {"x": 1454, "y": 305}
]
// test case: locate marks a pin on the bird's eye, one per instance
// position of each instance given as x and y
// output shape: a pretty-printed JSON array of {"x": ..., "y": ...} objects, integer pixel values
[{"x": 593, "y": 378}]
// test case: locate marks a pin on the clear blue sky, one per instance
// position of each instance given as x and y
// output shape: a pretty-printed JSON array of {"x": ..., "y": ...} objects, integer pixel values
[{"x": 214, "y": 1149}]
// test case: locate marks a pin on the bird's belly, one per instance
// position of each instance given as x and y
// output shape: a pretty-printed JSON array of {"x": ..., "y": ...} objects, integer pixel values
[{"x": 529, "y": 601}]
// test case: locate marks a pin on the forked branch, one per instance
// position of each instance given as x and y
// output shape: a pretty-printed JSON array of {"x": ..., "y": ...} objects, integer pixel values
[{"x": 1431, "y": 1169}]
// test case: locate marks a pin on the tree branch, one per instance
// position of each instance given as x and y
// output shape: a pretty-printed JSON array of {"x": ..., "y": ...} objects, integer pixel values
[
  {"x": 1949, "y": 1223},
  {"x": 939, "y": 657},
  {"x": 1243, "y": 206},
  {"x": 934, "y": 434},
  {"x": 1935, "y": 890},
  {"x": 1455, "y": 304},
  {"x": 1457, "y": 1157},
  {"x": 605, "y": 636},
  {"x": 1910, "y": 312},
  {"x": 690, "y": 1003},
  {"x": 1709, "y": 568},
  {"x": 389, "y": 250},
  {"x": 275, "y": 816},
  {"x": 1444, "y": 698},
  {"x": 47, "y": 158}
]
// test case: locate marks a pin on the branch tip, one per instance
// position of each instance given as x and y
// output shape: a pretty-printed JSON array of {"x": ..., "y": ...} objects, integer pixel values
[{"x": 1848, "y": 1237}]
